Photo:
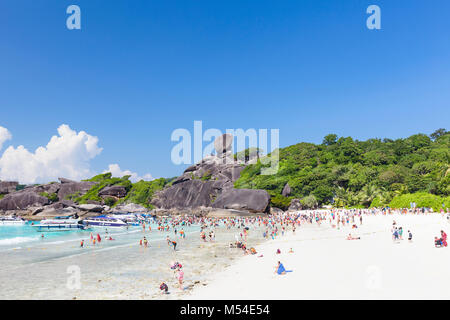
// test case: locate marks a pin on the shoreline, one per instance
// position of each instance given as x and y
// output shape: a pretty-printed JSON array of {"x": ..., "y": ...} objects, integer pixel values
[{"x": 324, "y": 264}]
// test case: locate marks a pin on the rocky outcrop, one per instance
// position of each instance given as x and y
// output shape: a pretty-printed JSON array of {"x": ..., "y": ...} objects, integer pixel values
[
  {"x": 7, "y": 187},
  {"x": 200, "y": 184},
  {"x": 114, "y": 191},
  {"x": 55, "y": 211},
  {"x": 210, "y": 184},
  {"x": 295, "y": 205},
  {"x": 22, "y": 200},
  {"x": 243, "y": 199},
  {"x": 69, "y": 187},
  {"x": 49, "y": 188},
  {"x": 276, "y": 211},
  {"x": 286, "y": 190},
  {"x": 91, "y": 207},
  {"x": 129, "y": 208},
  {"x": 188, "y": 194}
]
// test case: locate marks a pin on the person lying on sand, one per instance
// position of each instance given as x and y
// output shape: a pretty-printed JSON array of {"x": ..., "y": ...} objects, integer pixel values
[
  {"x": 350, "y": 237},
  {"x": 164, "y": 288}
]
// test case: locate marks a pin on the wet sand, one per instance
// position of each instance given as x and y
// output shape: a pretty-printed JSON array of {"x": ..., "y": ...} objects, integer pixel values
[{"x": 118, "y": 270}]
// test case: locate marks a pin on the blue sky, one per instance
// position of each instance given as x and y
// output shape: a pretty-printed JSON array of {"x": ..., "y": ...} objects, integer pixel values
[{"x": 137, "y": 70}]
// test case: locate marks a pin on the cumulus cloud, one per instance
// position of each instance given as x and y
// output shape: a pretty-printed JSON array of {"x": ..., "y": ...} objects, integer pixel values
[
  {"x": 66, "y": 155},
  {"x": 134, "y": 177},
  {"x": 4, "y": 136}
]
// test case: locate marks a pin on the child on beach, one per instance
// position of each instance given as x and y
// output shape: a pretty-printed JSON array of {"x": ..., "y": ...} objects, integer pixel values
[
  {"x": 164, "y": 288},
  {"x": 180, "y": 276},
  {"x": 409, "y": 236},
  {"x": 437, "y": 242}
]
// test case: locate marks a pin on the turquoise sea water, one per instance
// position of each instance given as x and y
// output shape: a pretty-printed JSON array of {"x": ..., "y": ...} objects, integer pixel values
[{"x": 37, "y": 268}]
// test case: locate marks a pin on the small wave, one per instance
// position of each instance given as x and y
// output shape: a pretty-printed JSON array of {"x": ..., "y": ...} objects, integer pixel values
[{"x": 6, "y": 242}]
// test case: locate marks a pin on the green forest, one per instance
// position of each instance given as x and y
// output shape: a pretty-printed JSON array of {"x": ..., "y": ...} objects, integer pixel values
[
  {"x": 340, "y": 171},
  {"x": 345, "y": 172}
]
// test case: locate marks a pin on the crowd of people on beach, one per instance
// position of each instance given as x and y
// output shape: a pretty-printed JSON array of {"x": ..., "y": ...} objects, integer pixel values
[{"x": 271, "y": 227}]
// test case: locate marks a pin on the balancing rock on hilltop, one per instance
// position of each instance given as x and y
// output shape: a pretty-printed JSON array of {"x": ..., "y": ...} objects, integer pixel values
[{"x": 210, "y": 184}]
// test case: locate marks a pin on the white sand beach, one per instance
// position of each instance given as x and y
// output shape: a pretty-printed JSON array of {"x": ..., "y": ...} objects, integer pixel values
[{"x": 327, "y": 266}]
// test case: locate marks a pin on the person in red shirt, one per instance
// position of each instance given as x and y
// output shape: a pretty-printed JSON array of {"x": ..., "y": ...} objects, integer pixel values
[{"x": 443, "y": 238}]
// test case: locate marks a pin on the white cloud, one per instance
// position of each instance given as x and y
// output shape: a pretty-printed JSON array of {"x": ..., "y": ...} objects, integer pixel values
[
  {"x": 4, "y": 136},
  {"x": 66, "y": 155},
  {"x": 117, "y": 172}
]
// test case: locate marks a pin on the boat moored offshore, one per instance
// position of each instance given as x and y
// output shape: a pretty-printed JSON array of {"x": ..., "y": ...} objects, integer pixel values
[
  {"x": 12, "y": 221},
  {"x": 104, "y": 221},
  {"x": 65, "y": 223}
]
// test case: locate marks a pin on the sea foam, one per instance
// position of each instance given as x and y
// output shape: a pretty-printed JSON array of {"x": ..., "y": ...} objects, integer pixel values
[{"x": 10, "y": 241}]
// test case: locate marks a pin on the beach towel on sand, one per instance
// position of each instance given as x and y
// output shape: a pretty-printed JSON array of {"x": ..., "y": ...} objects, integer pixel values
[{"x": 281, "y": 269}]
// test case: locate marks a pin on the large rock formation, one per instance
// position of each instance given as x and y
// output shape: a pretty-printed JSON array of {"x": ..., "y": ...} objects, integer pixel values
[
  {"x": 188, "y": 194},
  {"x": 115, "y": 191},
  {"x": 295, "y": 205},
  {"x": 90, "y": 207},
  {"x": 35, "y": 198},
  {"x": 286, "y": 190},
  {"x": 22, "y": 200},
  {"x": 243, "y": 199},
  {"x": 7, "y": 187},
  {"x": 210, "y": 184},
  {"x": 68, "y": 187},
  {"x": 129, "y": 208}
]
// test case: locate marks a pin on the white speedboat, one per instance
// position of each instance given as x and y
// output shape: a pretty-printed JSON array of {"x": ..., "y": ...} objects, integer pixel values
[
  {"x": 12, "y": 221},
  {"x": 104, "y": 221},
  {"x": 68, "y": 223},
  {"x": 129, "y": 219}
]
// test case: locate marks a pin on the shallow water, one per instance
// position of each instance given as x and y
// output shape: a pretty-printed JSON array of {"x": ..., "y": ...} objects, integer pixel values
[{"x": 40, "y": 268}]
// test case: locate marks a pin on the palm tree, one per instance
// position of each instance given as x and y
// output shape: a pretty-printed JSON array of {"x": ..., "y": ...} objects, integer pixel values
[{"x": 368, "y": 193}]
